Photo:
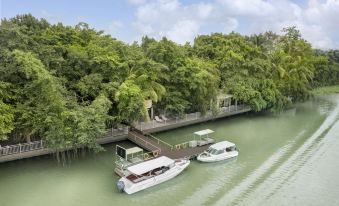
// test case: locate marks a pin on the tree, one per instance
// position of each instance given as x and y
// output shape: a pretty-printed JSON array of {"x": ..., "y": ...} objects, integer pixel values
[
  {"x": 130, "y": 102},
  {"x": 294, "y": 61},
  {"x": 6, "y": 111}
]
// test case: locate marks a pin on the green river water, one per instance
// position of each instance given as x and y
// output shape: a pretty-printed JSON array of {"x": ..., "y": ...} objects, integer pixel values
[{"x": 286, "y": 159}]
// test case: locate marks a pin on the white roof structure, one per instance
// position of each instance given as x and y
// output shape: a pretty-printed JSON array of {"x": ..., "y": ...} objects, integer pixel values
[
  {"x": 222, "y": 145},
  {"x": 150, "y": 165},
  {"x": 204, "y": 132},
  {"x": 133, "y": 150}
]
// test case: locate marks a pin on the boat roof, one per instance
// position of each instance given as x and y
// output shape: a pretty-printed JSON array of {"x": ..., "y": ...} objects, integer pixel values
[
  {"x": 222, "y": 145},
  {"x": 133, "y": 150},
  {"x": 204, "y": 132},
  {"x": 150, "y": 165}
]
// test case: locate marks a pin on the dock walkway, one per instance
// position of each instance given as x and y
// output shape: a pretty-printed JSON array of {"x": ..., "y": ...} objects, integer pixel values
[
  {"x": 38, "y": 148},
  {"x": 189, "y": 119},
  {"x": 159, "y": 148}
]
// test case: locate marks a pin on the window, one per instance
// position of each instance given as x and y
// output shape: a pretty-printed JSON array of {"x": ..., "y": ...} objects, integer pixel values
[
  {"x": 212, "y": 151},
  {"x": 230, "y": 149}
]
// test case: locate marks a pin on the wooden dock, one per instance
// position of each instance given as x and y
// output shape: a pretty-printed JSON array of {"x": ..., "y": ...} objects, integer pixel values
[
  {"x": 141, "y": 133},
  {"x": 160, "y": 148}
]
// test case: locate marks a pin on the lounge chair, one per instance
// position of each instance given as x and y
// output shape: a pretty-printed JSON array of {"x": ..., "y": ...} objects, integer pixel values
[
  {"x": 158, "y": 119},
  {"x": 163, "y": 117}
]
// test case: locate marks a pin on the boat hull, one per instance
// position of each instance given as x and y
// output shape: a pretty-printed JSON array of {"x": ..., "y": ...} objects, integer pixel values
[
  {"x": 131, "y": 188},
  {"x": 217, "y": 158}
]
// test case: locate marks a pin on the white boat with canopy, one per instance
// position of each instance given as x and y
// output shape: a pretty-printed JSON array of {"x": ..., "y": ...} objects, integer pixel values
[
  {"x": 202, "y": 138},
  {"x": 150, "y": 173},
  {"x": 220, "y": 151}
]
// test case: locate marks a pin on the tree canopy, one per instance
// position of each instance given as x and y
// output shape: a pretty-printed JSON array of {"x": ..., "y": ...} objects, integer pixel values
[{"x": 67, "y": 84}]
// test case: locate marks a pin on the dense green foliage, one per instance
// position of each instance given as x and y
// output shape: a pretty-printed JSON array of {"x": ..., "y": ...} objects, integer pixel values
[
  {"x": 326, "y": 90},
  {"x": 67, "y": 84},
  {"x": 328, "y": 73}
]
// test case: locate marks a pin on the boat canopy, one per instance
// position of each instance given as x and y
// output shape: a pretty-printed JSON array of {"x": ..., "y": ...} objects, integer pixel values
[
  {"x": 133, "y": 150},
  {"x": 150, "y": 165},
  {"x": 222, "y": 145},
  {"x": 204, "y": 132}
]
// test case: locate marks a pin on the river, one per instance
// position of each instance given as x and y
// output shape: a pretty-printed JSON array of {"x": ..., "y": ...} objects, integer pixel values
[{"x": 286, "y": 159}]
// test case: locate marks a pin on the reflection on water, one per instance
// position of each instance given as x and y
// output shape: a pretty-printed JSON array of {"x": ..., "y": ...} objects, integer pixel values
[{"x": 285, "y": 159}]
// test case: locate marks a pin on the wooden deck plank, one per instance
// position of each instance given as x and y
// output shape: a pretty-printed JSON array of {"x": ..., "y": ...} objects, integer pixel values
[{"x": 185, "y": 153}]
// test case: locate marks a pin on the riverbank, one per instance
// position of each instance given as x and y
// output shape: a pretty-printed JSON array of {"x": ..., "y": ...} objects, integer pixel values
[
  {"x": 326, "y": 90},
  {"x": 27, "y": 150}
]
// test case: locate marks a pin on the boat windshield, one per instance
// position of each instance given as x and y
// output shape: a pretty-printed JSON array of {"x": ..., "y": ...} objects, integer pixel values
[
  {"x": 230, "y": 149},
  {"x": 213, "y": 151}
]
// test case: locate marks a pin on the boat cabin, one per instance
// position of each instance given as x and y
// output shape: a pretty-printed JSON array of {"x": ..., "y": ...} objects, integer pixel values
[
  {"x": 221, "y": 147},
  {"x": 149, "y": 169}
]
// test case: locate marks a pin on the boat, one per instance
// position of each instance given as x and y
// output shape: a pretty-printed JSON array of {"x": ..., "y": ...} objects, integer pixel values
[
  {"x": 219, "y": 151},
  {"x": 150, "y": 173}
]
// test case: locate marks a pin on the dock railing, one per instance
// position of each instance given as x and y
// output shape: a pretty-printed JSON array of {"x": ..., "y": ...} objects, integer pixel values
[
  {"x": 41, "y": 144},
  {"x": 159, "y": 141},
  {"x": 188, "y": 117},
  {"x": 22, "y": 147},
  {"x": 143, "y": 141}
]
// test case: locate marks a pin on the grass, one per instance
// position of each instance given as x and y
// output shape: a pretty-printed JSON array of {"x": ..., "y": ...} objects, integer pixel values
[{"x": 326, "y": 90}]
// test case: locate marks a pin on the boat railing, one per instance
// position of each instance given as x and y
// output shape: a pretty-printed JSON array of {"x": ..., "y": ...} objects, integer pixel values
[{"x": 117, "y": 131}]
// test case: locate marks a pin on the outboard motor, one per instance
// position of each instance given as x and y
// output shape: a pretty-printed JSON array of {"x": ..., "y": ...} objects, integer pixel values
[{"x": 120, "y": 186}]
